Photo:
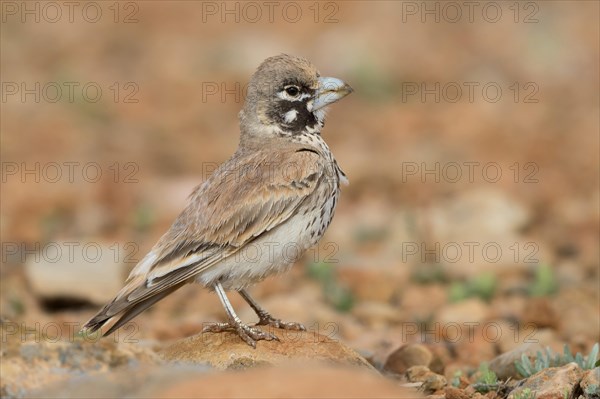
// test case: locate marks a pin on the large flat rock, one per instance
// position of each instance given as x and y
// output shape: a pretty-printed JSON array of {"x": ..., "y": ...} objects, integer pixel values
[
  {"x": 224, "y": 351},
  {"x": 193, "y": 381}
]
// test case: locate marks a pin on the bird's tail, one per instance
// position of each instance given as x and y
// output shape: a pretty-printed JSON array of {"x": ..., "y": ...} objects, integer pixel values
[{"x": 127, "y": 312}]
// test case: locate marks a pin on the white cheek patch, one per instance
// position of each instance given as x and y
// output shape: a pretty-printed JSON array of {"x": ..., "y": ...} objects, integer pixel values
[
  {"x": 312, "y": 129},
  {"x": 290, "y": 116},
  {"x": 320, "y": 115}
]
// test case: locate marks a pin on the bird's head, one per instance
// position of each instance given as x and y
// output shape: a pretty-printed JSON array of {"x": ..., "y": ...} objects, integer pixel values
[{"x": 287, "y": 96}]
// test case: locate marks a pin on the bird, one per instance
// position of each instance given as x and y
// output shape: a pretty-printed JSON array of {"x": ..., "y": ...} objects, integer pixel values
[{"x": 257, "y": 212}]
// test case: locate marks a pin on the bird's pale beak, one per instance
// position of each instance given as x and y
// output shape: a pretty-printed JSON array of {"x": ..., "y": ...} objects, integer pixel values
[{"x": 330, "y": 90}]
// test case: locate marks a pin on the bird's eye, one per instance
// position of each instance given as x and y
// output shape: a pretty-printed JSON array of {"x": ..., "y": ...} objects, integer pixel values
[{"x": 292, "y": 90}]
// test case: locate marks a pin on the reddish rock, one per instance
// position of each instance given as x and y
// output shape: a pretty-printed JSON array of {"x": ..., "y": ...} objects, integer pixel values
[
  {"x": 377, "y": 314},
  {"x": 551, "y": 383},
  {"x": 504, "y": 365},
  {"x": 27, "y": 366},
  {"x": 406, "y": 357},
  {"x": 541, "y": 313},
  {"x": 590, "y": 384},
  {"x": 373, "y": 283},
  {"x": 432, "y": 382},
  {"x": 463, "y": 313},
  {"x": 178, "y": 381},
  {"x": 316, "y": 382},
  {"x": 226, "y": 350},
  {"x": 456, "y": 393}
]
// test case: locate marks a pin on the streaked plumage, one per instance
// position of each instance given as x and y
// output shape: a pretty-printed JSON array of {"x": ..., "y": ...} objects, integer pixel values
[{"x": 278, "y": 192}]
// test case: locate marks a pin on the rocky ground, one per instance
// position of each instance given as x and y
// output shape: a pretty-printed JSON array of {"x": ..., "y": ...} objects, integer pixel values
[
  {"x": 301, "y": 365},
  {"x": 465, "y": 246}
]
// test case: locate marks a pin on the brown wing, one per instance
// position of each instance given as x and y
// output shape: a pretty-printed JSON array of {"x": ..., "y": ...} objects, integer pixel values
[{"x": 247, "y": 196}]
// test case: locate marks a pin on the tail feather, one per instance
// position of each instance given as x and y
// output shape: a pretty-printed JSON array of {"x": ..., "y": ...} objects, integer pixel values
[
  {"x": 101, "y": 318},
  {"x": 95, "y": 323},
  {"x": 130, "y": 311}
]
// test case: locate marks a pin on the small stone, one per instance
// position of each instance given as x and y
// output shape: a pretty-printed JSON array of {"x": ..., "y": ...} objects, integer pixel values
[
  {"x": 472, "y": 310},
  {"x": 76, "y": 270},
  {"x": 456, "y": 393},
  {"x": 377, "y": 314},
  {"x": 574, "y": 307},
  {"x": 504, "y": 365},
  {"x": 441, "y": 357},
  {"x": 372, "y": 283},
  {"x": 541, "y": 313},
  {"x": 590, "y": 384},
  {"x": 475, "y": 348},
  {"x": 417, "y": 373},
  {"x": 33, "y": 365},
  {"x": 551, "y": 383},
  {"x": 407, "y": 356},
  {"x": 432, "y": 382},
  {"x": 479, "y": 213},
  {"x": 422, "y": 301},
  {"x": 492, "y": 395},
  {"x": 571, "y": 273}
]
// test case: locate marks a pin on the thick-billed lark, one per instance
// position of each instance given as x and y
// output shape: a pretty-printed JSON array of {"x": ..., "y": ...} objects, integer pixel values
[{"x": 257, "y": 213}]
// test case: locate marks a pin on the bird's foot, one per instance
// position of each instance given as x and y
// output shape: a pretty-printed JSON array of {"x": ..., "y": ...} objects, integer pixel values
[
  {"x": 249, "y": 335},
  {"x": 265, "y": 319}
]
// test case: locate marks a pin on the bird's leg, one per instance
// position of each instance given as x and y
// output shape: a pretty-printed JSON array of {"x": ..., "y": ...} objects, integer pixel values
[
  {"x": 248, "y": 334},
  {"x": 265, "y": 319}
]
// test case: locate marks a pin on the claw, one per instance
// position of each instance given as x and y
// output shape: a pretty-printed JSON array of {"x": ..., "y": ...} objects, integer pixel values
[
  {"x": 268, "y": 320},
  {"x": 217, "y": 328},
  {"x": 248, "y": 334},
  {"x": 265, "y": 319}
]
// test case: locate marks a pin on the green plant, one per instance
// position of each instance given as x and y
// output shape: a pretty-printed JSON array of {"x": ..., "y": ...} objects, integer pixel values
[
  {"x": 143, "y": 217},
  {"x": 456, "y": 378},
  {"x": 486, "y": 375},
  {"x": 591, "y": 389},
  {"x": 429, "y": 273},
  {"x": 337, "y": 295},
  {"x": 526, "y": 393},
  {"x": 486, "y": 379},
  {"x": 17, "y": 306},
  {"x": 544, "y": 283},
  {"x": 551, "y": 359},
  {"x": 364, "y": 235},
  {"x": 482, "y": 286}
]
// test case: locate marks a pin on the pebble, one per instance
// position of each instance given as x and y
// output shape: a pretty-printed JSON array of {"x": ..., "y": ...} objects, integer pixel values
[
  {"x": 407, "y": 356},
  {"x": 432, "y": 382},
  {"x": 504, "y": 364},
  {"x": 590, "y": 384},
  {"x": 89, "y": 271}
]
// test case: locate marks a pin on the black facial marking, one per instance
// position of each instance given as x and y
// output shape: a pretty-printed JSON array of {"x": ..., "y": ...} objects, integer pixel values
[{"x": 281, "y": 107}]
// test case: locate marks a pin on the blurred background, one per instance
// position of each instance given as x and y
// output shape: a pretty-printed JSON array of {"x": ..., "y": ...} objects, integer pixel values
[{"x": 470, "y": 142}]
